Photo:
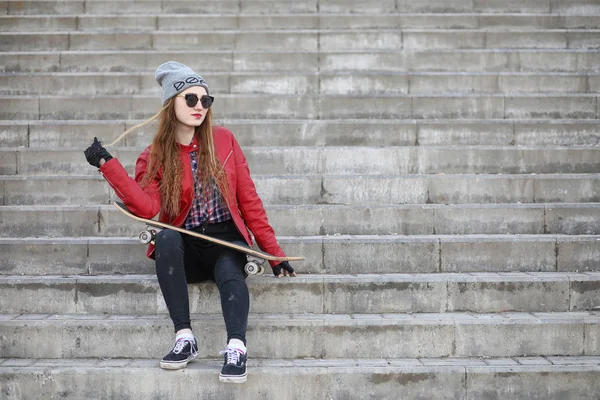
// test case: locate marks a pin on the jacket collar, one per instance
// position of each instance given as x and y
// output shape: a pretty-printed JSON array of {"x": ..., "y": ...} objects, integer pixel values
[
  {"x": 190, "y": 147},
  {"x": 194, "y": 146}
]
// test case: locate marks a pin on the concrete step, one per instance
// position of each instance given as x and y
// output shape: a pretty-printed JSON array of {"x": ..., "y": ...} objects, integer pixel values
[
  {"x": 299, "y": 6},
  {"x": 333, "y": 160},
  {"x": 319, "y": 294},
  {"x": 347, "y": 132},
  {"x": 244, "y": 21},
  {"x": 307, "y": 40},
  {"x": 315, "y": 335},
  {"x": 335, "y": 254},
  {"x": 240, "y": 106},
  {"x": 461, "y": 6},
  {"x": 310, "y": 220},
  {"x": 450, "y": 60},
  {"x": 358, "y": 190},
  {"x": 288, "y": 83},
  {"x": 157, "y": 6},
  {"x": 551, "y": 378}
]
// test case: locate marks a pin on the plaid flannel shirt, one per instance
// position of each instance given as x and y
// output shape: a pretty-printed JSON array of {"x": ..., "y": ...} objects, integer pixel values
[{"x": 211, "y": 211}]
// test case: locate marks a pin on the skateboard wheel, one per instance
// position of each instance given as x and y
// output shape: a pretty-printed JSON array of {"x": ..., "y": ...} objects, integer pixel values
[
  {"x": 252, "y": 268},
  {"x": 146, "y": 237}
]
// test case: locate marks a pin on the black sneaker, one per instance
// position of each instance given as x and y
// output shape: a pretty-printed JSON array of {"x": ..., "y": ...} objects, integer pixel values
[
  {"x": 184, "y": 351},
  {"x": 234, "y": 366}
]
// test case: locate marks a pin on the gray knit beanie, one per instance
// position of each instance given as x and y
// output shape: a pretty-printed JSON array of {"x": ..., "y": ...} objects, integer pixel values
[{"x": 176, "y": 77}]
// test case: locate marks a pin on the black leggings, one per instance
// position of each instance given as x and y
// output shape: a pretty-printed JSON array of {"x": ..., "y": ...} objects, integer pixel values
[{"x": 183, "y": 259}]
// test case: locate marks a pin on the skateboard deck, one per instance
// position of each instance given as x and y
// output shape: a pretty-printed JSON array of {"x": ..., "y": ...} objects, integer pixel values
[{"x": 148, "y": 237}]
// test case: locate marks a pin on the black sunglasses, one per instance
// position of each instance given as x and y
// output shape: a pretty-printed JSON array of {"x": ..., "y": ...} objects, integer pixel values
[{"x": 191, "y": 99}]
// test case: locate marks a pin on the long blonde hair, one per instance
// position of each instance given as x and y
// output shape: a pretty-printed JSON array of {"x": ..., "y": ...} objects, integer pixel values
[{"x": 164, "y": 157}]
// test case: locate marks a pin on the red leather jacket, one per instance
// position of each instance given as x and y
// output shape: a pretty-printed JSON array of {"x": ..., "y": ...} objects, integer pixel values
[{"x": 244, "y": 204}]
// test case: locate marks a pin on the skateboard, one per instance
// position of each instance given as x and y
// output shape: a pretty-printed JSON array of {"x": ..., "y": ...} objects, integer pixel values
[{"x": 255, "y": 258}]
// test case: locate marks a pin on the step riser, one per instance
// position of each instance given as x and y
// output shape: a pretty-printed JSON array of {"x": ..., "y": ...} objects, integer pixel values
[
  {"x": 243, "y": 22},
  {"x": 303, "y": 6},
  {"x": 349, "y": 190},
  {"x": 322, "y": 133},
  {"x": 314, "y": 221},
  {"x": 300, "y": 383},
  {"x": 273, "y": 107},
  {"x": 309, "y": 40},
  {"x": 148, "y": 338},
  {"x": 330, "y": 255},
  {"x": 156, "y": 6},
  {"x": 142, "y": 296},
  {"x": 447, "y": 190},
  {"x": 450, "y": 61},
  {"x": 145, "y": 379},
  {"x": 385, "y": 84},
  {"x": 349, "y": 160}
]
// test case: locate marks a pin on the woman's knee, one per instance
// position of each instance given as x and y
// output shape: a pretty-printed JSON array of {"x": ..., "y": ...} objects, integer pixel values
[
  {"x": 169, "y": 247},
  {"x": 168, "y": 238}
]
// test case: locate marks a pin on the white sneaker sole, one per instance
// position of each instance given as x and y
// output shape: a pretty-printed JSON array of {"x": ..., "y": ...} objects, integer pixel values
[
  {"x": 233, "y": 378},
  {"x": 176, "y": 365}
]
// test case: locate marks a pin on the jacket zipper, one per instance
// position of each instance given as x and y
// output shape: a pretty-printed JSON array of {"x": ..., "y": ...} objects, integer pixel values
[
  {"x": 113, "y": 186},
  {"x": 236, "y": 227},
  {"x": 229, "y": 155}
]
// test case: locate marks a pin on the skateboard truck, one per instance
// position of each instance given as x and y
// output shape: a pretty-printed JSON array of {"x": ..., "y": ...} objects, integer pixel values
[{"x": 254, "y": 265}]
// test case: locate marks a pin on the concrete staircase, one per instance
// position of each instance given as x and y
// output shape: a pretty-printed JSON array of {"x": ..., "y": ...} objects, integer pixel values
[{"x": 436, "y": 162}]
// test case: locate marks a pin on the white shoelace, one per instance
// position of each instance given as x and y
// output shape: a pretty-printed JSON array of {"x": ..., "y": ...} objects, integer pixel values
[
  {"x": 180, "y": 344},
  {"x": 233, "y": 355}
]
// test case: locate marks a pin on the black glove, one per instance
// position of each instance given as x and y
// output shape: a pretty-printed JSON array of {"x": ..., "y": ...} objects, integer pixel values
[
  {"x": 283, "y": 265},
  {"x": 95, "y": 153}
]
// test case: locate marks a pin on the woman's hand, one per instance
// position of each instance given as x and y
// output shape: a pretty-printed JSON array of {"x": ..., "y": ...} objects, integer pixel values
[
  {"x": 283, "y": 269},
  {"x": 97, "y": 155}
]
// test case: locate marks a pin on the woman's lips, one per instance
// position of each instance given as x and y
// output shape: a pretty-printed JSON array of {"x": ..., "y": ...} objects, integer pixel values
[{"x": 197, "y": 116}]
